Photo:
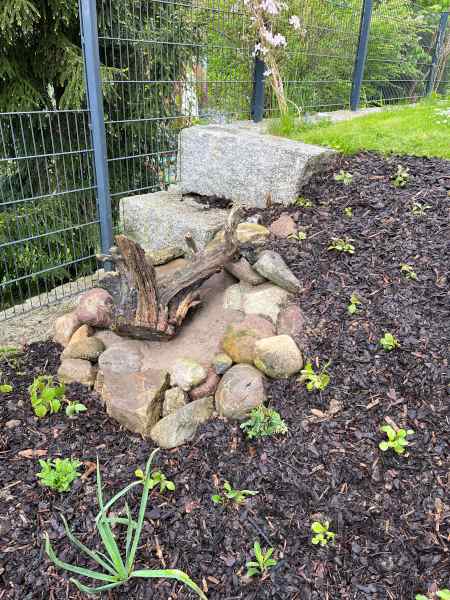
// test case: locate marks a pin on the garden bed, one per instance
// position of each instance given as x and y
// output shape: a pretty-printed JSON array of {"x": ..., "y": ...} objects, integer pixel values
[{"x": 390, "y": 513}]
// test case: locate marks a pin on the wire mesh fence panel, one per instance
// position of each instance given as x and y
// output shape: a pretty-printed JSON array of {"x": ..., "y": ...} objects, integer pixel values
[
  {"x": 401, "y": 44},
  {"x": 48, "y": 212}
]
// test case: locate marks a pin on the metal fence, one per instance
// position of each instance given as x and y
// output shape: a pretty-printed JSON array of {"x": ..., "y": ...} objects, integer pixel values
[{"x": 157, "y": 66}]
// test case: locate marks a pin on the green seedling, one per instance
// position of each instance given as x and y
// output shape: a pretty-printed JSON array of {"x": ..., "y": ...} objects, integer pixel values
[
  {"x": 348, "y": 212},
  {"x": 341, "y": 245},
  {"x": 303, "y": 202},
  {"x": 229, "y": 493},
  {"x": 10, "y": 352},
  {"x": 117, "y": 568},
  {"x": 396, "y": 439},
  {"x": 5, "y": 388},
  {"x": 45, "y": 395},
  {"x": 263, "y": 562},
  {"x": 344, "y": 176},
  {"x": 314, "y": 381},
  {"x": 157, "y": 478},
  {"x": 401, "y": 177},
  {"x": 300, "y": 236},
  {"x": 441, "y": 594},
  {"x": 418, "y": 210},
  {"x": 73, "y": 408},
  {"x": 408, "y": 271},
  {"x": 352, "y": 308},
  {"x": 264, "y": 421},
  {"x": 322, "y": 534},
  {"x": 389, "y": 342},
  {"x": 59, "y": 474}
]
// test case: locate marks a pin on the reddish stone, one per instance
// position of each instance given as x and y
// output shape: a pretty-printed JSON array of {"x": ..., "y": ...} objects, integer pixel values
[
  {"x": 95, "y": 308},
  {"x": 291, "y": 321},
  {"x": 284, "y": 226}
]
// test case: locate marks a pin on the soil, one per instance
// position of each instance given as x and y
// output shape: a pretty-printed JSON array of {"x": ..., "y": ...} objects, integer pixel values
[{"x": 390, "y": 513}]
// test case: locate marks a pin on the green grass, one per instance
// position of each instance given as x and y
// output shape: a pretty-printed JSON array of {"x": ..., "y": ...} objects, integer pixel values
[{"x": 406, "y": 130}]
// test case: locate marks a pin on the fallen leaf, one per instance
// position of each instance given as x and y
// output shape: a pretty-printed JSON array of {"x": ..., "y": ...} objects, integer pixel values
[
  {"x": 90, "y": 468},
  {"x": 31, "y": 453}
]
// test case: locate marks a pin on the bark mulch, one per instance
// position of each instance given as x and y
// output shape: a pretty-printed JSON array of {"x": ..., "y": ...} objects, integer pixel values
[{"x": 391, "y": 514}]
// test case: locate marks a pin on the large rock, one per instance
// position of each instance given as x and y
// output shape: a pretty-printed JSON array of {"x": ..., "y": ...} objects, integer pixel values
[
  {"x": 240, "y": 338},
  {"x": 243, "y": 271},
  {"x": 174, "y": 399},
  {"x": 87, "y": 349},
  {"x": 95, "y": 308},
  {"x": 135, "y": 399},
  {"x": 221, "y": 363},
  {"x": 187, "y": 373},
  {"x": 284, "y": 226},
  {"x": 240, "y": 390},
  {"x": 278, "y": 357},
  {"x": 240, "y": 163},
  {"x": 82, "y": 333},
  {"x": 65, "y": 327},
  {"x": 271, "y": 266},
  {"x": 246, "y": 233},
  {"x": 159, "y": 220},
  {"x": 265, "y": 300},
  {"x": 122, "y": 358},
  {"x": 180, "y": 426},
  {"x": 291, "y": 321},
  {"x": 76, "y": 370},
  {"x": 207, "y": 388},
  {"x": 165, "y": 255}
]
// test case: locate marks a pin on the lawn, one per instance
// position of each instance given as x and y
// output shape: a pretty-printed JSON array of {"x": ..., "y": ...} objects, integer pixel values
[{"x": 420, "y": 130}]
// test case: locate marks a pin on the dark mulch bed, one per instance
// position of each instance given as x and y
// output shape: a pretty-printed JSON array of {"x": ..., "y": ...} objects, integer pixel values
[{"x": 391, "y": 514}]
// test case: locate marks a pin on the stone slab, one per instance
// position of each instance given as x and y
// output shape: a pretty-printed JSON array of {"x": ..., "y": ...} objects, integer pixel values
[
  {"x": 244, "y": 165},
  {"x": 159, "y": 220}
]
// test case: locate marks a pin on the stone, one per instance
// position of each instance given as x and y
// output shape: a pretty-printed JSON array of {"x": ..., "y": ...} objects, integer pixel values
[
  {"x": 95, "y": 308},
  {"x": 87, "y": 349},
  {"x": 278, "y": 357},
  {"x": 165, "y": 255},
  {"x": 122, "y": 358},
  {"x": 12, "y": 424},
  {"x": 291, "y": 321},
  {"x": 233, "y": 297},
  {"x": 271, "y": 266},
  {"x": 265, "y": 300},
  {"x": 170, "y": 268},
  {"x": 65, "y": 327},
  {"x": 108, "y": 337},
  {"x": 240, "y": 338},
  {"x": 247, "y": 233},
  {"x": 283, "y": 227},
  {"x": 207, "y": 388},
  {"x": 159, "y": 220},
  {"x": 187, "y": 373},
  {"x": 174, "y": 399},
  {"x": 221, "y": 363},
  {"x": 82, "y": 333},
  {"x": 77, "y": 370},
  {"x": 243, "y": 271},
  {"x": 240, "y": 390},
  {"x": 180, "y": 426},
  {"x": 135, "y": 399},
  {"x": 241, "y": 163}
]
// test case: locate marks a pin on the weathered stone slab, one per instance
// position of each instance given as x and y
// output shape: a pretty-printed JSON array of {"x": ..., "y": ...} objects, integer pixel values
[
  {"x": 159, "y": 220},
  {"x": 245, "y": 165}
]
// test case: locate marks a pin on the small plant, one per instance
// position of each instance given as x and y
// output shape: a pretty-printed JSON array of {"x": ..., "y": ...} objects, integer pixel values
[
  {"x": 352, "y": 308},
  {"x": 117, "y": 569},
  {"x": 389, "y": 342},
  {"x": 73, "y": 408},
  {"x": 303, "y": 202},
  {"x": 343, "y": 176},
  {"x": 408, "y": 271},
  {"x": 348, "y": 212},
  {"x": 264, "y": 421},
  {"x": 401, "y": 177},
  {"x": 263, "y": 562},
  {"x": 299, "y": 236},
  {"x": 229, "y": 493},
  {"x": 418, "y": 210},
  {"x": 341, "y": 245},
  {"x": 441, "y": 594},
  {"x": 157, "y": 478},
  {"x": 396, "y": 439},
  {"x": 314, "y": 381},
  {"x": 322, "y": 534},
  {"x": 5, "y": 388},
  {"x": 59, "y": 474},
  {"x": 45, "y": 395}
]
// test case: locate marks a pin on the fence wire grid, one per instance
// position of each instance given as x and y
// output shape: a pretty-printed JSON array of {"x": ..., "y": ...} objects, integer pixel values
[{"x": 165, "y": 65}]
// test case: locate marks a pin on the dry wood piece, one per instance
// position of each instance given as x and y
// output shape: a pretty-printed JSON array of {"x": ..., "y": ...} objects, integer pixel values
[{"x": 147, "y": 309}]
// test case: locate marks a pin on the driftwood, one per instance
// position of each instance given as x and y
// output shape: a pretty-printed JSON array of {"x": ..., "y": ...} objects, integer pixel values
[{"x": 150, "y": 309}]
